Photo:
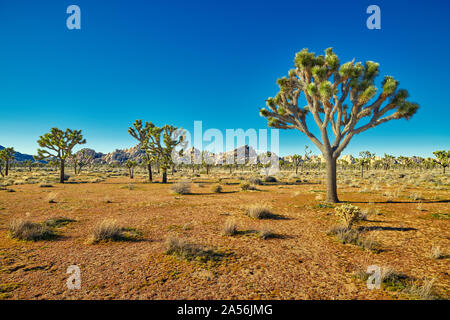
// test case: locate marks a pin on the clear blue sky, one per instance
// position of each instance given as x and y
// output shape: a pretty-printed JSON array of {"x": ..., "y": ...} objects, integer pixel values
[{"x": 216, "y": 61}]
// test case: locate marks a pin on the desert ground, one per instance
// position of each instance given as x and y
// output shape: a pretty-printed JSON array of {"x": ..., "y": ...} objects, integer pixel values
[{"x": 289, "y": 254}]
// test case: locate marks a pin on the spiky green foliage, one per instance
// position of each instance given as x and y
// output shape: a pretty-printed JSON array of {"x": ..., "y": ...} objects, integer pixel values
[
  {"x": 81, "y": 159},
  {"x": 364, "y": 160},
  {"x": 58, "y": 144},
  {"x": 340, "y": 96},
  {"x": 162, "y": 142},
  {"x": 142, "y": 133},
  {"x": 7, "y": 155},
  {"x": 442, "y": 158},
  {"x": 130, "y": 164}
]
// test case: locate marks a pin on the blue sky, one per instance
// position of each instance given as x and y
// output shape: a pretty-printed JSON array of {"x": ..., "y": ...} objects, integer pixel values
[{"x": 216, "y": 61}]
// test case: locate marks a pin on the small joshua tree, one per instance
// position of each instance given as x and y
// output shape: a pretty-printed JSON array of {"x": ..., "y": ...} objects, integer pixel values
[
  {"x": 7, "y": 155},
  {"x": 337, "y": 96},
  {"x": 58, "y": 144},
  {"x": 364, "y": 160},
  {"x": 297, "y": 159},
  {"x": 171, "y": 137},
  {"x": 142, "y": 134},
  {"x": 131, "y": 165},
  {"x": 29, "y": 164},
  {"x": 442, "y": 158},
  {"x": 207, "y": 160},
  {"x": 81, "y": 159}
]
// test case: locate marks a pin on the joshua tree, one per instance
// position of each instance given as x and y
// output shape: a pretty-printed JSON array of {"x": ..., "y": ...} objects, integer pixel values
[
  {"x": 29, "y": 164},
  {"x": 7, "y": 155},
  {"x": 58, "y": 145},
  {"x": 142, "y": 133},
  {"x": 171, "y": 137},
  {"x": 81, "y": 159},
  {"x": 442, "y": 158},
  {"x": 297, "y": 159},
  {"x": 327, "y": 87},
  {"x": 207, "y": 160},
  {"x": 131, "y": 165},
  {"x": 388, "y": 161},
  {"x": 364, "y": 160}
]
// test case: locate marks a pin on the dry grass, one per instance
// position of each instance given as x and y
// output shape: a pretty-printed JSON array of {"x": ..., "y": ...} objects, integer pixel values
[
  {"x": 51, "y": 198},
  {"x": 259, "y": 211},
  {"x": 182, "y": 187},
  {"x": 110, "y": 230},
  {"x": 266, "y": 233},
  {"x": 230, "y": 228},
  {"x": 27, "y": 230}
]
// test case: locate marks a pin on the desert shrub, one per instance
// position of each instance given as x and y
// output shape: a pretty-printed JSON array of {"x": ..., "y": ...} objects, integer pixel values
[
  {"x": 51, "y": 198},
  {"x": 109, "y": 230},
  {"x": 266, "y": 233},
  {"x": 436, "y": 253},
  {"x": 183, "y": 249},
  {"x": 258, "y": 211},
  {"x": 355, "y": 237},
  {"x": 348, "y": 213},
  {"x": 416, "y": 196},
  {"x": 27, "y": 230},
  {"x": 245, "y": 185},
  {"x": 181, "y": 187},
  {"x": 255, "y": 180},
  {"x": 270, "y": 179},
  {"x": 216, "y": 188},
  {"x": 424, "y": 291},
  {"x": 230, "y": 228}
]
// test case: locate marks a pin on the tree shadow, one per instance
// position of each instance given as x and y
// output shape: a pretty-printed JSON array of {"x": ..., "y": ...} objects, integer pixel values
[
  {"x": 378, "y": 228},
  {"x": 399, "y": 202}
]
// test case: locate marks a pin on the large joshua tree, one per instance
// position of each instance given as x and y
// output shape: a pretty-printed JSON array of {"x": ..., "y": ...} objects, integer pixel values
[
  {"x": 58, "y": 144},
  {"x": 7, "y": 155},
  {"x": 142, "y": 134},
  {"x": 340, "y": 97}
]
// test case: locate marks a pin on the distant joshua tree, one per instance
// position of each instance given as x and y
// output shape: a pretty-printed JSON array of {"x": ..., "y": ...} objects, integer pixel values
[
  {"x": 171, "y": 137},
  {"x": 80, "y": 160},
  {"x": 297, "y": 159},
  {"x": 58, "y": 145},
  {"x": 442, "y": 158},
  {"x": 142, "y": 134},
  {"x": 207, "y": 160},
  {"x": 388, "y": 161},
  {"x": 327, "y": 86},
  {"x": 7, "y": 155},
  {"x": 364, "y": 160},
  {"x": 29, "y": 164},
  {"x": 131, "y": 165}
]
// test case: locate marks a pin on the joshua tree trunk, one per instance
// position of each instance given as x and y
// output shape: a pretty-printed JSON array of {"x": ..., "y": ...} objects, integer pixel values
[
  {"x": 61, "y": 172},
  {"x": 331, "y": 180},
  {"x": 6, "y": 167},
  {"x": 150, "y": 177},
  {"x": 362, "y": 171},
  {"x": 164, "y": 175},
  {"x": 296, "y": 169}
]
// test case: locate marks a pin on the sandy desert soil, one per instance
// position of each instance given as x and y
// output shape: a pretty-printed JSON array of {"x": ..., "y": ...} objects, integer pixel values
[{"x": 301, "y": 262}]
